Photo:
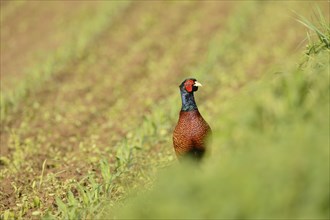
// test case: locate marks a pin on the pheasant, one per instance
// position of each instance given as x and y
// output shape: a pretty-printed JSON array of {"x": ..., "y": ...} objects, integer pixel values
[{"x": 191, "y": 131}]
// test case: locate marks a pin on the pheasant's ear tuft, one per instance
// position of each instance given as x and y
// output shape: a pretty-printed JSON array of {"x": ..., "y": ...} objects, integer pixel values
[{"x": 188, "y": 85}]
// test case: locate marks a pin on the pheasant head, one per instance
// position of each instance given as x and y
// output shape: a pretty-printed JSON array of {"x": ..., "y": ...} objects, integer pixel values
[{"x": 187, "y": 89}]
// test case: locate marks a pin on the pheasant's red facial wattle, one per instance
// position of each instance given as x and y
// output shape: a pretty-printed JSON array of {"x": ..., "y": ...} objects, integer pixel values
[{"x": 188, "y": 85}]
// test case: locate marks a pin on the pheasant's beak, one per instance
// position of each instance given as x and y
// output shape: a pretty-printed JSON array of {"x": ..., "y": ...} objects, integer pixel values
[{"x": 198, "y": 84}]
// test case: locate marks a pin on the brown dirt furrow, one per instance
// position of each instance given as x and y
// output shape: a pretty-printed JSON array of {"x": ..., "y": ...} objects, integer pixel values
[{"x": 31, "y": 31}]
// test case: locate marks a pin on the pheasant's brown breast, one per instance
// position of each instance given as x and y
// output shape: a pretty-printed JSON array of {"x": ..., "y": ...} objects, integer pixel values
[{"x": 190, "y": 133}]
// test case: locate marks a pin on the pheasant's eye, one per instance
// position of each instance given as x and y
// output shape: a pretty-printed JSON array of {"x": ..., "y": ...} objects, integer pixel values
[{"x": 188, "y": 85}]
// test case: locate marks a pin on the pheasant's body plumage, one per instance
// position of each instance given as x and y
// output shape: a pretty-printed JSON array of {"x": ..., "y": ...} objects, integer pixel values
[
  {"x": 190, "y": 134},
  {"x": 191, "y": 131}
]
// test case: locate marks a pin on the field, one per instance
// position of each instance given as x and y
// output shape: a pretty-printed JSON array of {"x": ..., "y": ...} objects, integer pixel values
[{"x": 89, "y": 100}]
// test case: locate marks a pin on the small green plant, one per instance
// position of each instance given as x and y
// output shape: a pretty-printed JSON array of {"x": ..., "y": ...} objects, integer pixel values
[
  {"x": 321, "y": 29},
  {"x": 90, "y": 193}
]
